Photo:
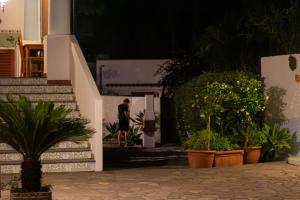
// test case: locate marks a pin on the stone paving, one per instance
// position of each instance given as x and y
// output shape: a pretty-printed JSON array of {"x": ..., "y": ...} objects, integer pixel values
[{"x": 261, "y": 181}]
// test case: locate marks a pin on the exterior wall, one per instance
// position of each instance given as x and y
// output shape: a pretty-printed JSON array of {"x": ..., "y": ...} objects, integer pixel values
[
  {"x": 57, "y": 57},
  {"x": 88, "y": 98},
  {"x": 128, "y": 72},
  {"x": 283, "y": 91},
  {"x": 110, "y": 109},
  {"x": 13, "y": 16},
  {"x": 32, "y": 20}
]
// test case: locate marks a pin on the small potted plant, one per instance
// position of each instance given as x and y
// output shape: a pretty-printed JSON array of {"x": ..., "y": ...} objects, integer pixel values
[
  {"x": 278, "y": 142},
  {"x": 198, "y": 149},
  {"x": 227, "y": 154},
  {"x": 31, "y": 131},
  {"x": 253, "y": 141}
]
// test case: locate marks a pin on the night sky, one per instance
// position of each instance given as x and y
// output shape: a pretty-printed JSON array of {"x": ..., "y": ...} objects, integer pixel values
[{"x": 147, "y": 28}]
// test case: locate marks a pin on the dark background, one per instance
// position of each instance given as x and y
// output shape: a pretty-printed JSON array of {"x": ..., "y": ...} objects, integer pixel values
[{"x": 145, "y": 28}]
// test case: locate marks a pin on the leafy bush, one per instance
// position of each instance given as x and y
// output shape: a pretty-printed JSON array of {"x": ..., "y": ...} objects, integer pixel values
[
  {"x": 208, "y": 140},
  {"x": 223, "y": 144},
  {"x": 134, "y": 136},
  {"x": 240, "y": 103},
  {"x": 199, "y": 140},
  {"x": 112, "y": 128}
]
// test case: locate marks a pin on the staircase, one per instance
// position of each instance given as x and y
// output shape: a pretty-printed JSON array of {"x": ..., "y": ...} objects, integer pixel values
[{"x": 66, "y": 156}]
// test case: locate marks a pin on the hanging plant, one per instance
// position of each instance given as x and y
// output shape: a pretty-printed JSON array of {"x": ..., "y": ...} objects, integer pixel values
[{"x": 293, "y": 63}]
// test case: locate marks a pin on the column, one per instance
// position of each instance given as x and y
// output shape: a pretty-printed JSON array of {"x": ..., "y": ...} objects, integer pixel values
[{"x": 58, "y": 41}]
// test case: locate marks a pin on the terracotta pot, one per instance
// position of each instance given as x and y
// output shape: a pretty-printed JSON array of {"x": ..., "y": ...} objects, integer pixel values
[
  {"x": 229, "y": 158},
  {"x": 31, "y": 196},
  {"x": 252, "y": 154},
  {"x": 201, "y": 159}
]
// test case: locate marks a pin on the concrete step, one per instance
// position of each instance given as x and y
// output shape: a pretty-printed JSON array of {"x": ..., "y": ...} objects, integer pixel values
[
  {"x": 74, "y": 114},
  {"x": 23, "y": 81},
  {"x": 60, "y": 146},
  {"x": 68, "y": 104},
  {"x": 35, "y": 89},
  {"x": 43, "y": 97},
  {"x": 63, "y": 154},
  {"x": 76, "y": 165}
]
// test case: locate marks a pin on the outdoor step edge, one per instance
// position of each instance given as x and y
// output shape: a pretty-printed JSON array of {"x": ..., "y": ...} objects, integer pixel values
[
  {"x": 58, "y": 161},
  {"x": 57, "y": 150}
]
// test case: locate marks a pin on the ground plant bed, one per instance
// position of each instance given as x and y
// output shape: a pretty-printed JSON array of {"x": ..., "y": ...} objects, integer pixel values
[
  {"x": 229, "y": 158},
  {"x": 201, "y": 159},
  {"x": 251, "y": 154},
  {"x": 31, "y": 196}
]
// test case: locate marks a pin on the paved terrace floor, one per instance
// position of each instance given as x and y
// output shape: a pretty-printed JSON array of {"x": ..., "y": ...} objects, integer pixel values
[{"x": 177, "y": 182}]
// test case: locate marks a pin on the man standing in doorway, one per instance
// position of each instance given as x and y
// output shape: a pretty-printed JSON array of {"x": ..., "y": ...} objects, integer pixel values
[{"x": 124, "y": 118}]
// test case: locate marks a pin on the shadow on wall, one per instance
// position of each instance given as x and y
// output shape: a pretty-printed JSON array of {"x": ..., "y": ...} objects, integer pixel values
[{"x": 275, "y": 106}]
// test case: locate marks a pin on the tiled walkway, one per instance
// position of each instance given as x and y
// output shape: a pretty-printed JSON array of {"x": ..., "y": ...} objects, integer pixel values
[{"x": 262, "y": 181}]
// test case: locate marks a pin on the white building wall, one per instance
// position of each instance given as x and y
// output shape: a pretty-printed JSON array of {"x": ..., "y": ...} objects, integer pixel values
[
  {"x": 32, "y": 20},
  {"x": 285, "y": 91},
  {"x": 131, "y": 71},
  {"x": 13, "y": 16}
]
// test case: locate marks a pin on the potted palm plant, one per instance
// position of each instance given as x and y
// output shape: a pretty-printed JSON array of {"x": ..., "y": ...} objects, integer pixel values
[
  {"x": 32, "y": 130},
  {"x": 278, "y": 141}
]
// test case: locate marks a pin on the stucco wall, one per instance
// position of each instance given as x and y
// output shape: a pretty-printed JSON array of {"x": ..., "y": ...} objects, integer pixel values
[
  {"x": 283, "y": 91},
  {"x": 110, "y": 109},
  {"x": 57, "y": 57},
  {"x": 13, "y": 16},
  {"x": 130, "y": 71}
]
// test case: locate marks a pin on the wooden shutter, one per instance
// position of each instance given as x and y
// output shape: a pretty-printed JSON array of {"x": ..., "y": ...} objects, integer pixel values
[{"x": 7, "y": 63}]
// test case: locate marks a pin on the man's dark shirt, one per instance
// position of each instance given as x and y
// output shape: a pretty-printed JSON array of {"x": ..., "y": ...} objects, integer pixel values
[{"x": 122, "y": 109}]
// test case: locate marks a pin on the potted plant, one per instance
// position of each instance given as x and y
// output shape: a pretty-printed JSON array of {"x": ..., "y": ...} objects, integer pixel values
[
  {"x": 209, "y": 103},
  {"x": 198, "y": 149},
  {"x": 32, "y": 130},
  {"x": 227, "y": 154},
  {"x": 252, "y": 148},
  {"x": 277, "y": 141},
  {"x": 249, "y": 104},
  {"x": 206, "y": 149}
]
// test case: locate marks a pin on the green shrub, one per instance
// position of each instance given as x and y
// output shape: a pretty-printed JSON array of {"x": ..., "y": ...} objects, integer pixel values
[
  {"x": 112, "y": 128},
  {"x": 134, "y": 135},
  {"x": 242, "y": 105},
  {"x": 277, "y": 141},
  {"x": 199, "y": 140},
  {"x": 223, "y": 144},
  {"x": 208, "y": 140}
]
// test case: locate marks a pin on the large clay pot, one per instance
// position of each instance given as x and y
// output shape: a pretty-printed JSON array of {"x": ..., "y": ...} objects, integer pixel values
[
  {"x": 201, "y": 159},
  {"x": 229, "y": 158},
  {"x": 31, "y": 196},
  {"x": 252, "y": 154}
]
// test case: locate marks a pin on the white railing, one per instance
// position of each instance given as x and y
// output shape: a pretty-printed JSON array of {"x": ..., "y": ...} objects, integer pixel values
[{"x": 88, "y": 98}]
